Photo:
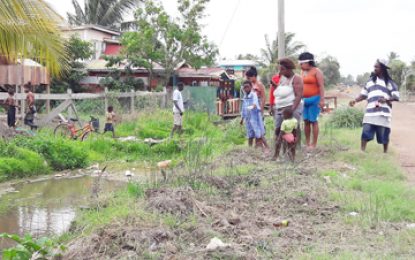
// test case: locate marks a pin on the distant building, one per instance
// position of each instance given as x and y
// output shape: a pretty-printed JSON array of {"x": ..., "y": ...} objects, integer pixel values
[
  {"x": 201, "y": 77},
  {"x": 104, "y": 41},
  {"x": 237, "y": 67}
]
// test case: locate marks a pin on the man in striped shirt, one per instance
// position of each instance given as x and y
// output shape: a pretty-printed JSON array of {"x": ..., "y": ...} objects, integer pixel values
[{"x": 379, "y": 92}]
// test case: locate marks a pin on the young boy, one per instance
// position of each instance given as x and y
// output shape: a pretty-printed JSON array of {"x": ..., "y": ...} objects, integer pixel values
[
  {"x": 109, "y": 121},
  {"x": 11, "y": 109},
  {"x": 289, "y": 132},
  {"x": 251, "y": 115}
]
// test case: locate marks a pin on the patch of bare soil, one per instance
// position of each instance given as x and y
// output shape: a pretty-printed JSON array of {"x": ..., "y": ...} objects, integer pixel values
[
  {"x": 275, "y": 212},
  {"x": 403, "y": 138}
]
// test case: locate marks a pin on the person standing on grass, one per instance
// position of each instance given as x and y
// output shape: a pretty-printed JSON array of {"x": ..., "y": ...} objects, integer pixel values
[
  {"x": 251, "y": 116},
  {"x": 11, "y": 109},
  {"x": 379, "y": 92},
  {"x": 313, "y": 95},
  {"x": 287, "y": 94},
  {"x": 30, "y": 107},
  {"x": 109, "y": 121},
  {"x": 259, "y": 89},
  {"x": 178, "y": 110}
]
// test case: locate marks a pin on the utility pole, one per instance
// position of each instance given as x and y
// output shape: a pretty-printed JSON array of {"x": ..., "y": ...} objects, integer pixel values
[{"x": 281, "y": 29}]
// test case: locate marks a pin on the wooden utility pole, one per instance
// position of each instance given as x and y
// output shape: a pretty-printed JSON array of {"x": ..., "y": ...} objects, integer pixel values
[{"x": 281, "y": 29}]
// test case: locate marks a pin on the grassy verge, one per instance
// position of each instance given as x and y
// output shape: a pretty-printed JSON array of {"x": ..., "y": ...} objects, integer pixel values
[
  {"x": 29, "y": 156},
  {"x": 239, "y": 197}
]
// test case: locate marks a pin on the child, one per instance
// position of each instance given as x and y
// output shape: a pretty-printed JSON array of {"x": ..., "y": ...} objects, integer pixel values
[
  {"x": 251, "y": 114},
  {"x": 11, "y": 109},
  {"x": 289, "y": 132},
  {"x": 110, "y": 118}
]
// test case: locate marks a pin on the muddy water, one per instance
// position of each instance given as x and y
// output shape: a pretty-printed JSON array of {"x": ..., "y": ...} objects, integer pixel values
[{"x": 46, "y": 207}]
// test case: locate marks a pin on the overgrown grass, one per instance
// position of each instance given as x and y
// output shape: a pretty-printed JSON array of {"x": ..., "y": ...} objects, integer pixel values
[
  {"x": 346, "y": 117},
  {"x": 373, "y": 185},
  {"x": 201, "y": 138}
]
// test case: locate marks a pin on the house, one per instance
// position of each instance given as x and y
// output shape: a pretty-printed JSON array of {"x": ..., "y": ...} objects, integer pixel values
[
  {"x": 97, "y": 71},
  {"x": 104, "y": 41},
  {"x": 237, "y": 67},
  {"x": 201, "y": 77}
]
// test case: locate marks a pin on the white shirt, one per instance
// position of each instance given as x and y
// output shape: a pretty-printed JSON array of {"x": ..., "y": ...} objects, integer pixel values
[{"x": 177, "y": 96}]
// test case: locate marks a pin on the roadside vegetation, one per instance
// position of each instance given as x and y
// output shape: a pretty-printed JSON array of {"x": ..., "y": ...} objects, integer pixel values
[{"x": 29, "y": 156}]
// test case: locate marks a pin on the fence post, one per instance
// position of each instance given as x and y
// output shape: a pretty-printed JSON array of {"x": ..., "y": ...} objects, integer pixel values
[
  {"x": 70, "y": 112},
  {"x": 48, "y": 100},
  {"x": 132, "y": 101},
  {"x": 23, "y": 102},
  {"x": 164, "y": 100},
  {"x": 105, "y": 99}
]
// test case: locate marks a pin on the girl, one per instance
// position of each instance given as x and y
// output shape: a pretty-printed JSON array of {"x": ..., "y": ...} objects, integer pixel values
[{"x": 251, "y": 115}]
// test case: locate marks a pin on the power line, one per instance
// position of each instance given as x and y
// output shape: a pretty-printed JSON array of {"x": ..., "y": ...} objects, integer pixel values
[{"x": 230, "y": 22}]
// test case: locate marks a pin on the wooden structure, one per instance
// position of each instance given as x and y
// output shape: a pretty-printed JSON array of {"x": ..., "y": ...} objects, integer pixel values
[
  {"x": 228, "y": 103},
  {"x": 69, "y": 97}
]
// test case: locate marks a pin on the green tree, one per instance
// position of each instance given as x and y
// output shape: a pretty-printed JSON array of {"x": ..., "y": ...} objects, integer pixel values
[
  {"x": 362, "y": 79},
  {"x": 392, "y": 56},
  {"x": 270, "y": 54},
  {"x": 29, "y": 29},
  {"x": 331, "y": 70},
  {"x": 348, "y": 80},
  {"x": 247, "y": 56},
  {"x": 169, "y": 41},
  {"x": 397, "y": 71},
  {"x": 77, "y": 51},
  {"x": 108, "y": 13}
]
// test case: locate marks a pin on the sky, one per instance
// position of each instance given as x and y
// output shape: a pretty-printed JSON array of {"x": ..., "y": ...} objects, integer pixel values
[{"x": 356, "y": 32}]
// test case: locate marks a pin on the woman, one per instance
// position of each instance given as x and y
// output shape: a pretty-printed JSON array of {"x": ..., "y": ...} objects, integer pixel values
[
  {"x": 379, "y": 92},
  {"x": 287, "y": 94},
  {"x": 313, "y": 95},
  {"x": 259, "y": 89}
]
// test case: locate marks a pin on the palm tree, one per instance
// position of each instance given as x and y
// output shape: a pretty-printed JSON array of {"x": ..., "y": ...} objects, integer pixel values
[
  {"x": 270, "y": 54},
  {"x": 392, "y": 56},
  {"x": 100, "y": 12},
  {"x": 292, "y": 49},
  {"x": 28, "y": 29}
]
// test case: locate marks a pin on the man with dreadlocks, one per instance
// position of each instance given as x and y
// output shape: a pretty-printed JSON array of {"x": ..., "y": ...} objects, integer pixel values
[{"x": 379, "y": 92}]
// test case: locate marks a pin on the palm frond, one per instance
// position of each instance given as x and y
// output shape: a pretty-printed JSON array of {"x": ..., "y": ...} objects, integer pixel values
[{"x": 28, "y": 30}]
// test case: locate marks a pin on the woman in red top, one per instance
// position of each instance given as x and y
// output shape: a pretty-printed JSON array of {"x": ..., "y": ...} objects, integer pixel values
[{"x": 313, "y": 94}]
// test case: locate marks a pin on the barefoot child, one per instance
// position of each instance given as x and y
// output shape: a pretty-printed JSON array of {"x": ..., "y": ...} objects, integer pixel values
[
  {"x": 109, "y": 123},
  {"x": 251, "y": 115},
  {"x": 288, "y": 133}
]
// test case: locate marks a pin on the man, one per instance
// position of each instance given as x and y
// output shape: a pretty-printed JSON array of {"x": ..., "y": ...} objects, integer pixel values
[
  {"x": 380, "y": 92},
  {"x": 178, "y": 109},
  {"x": 31, "y": 109}
]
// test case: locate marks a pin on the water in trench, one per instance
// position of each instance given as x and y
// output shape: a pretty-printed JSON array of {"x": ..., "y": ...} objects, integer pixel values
[{"x": 48, "y": 207}]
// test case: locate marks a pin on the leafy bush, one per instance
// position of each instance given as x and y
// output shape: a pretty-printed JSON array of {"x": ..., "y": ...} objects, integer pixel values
[
  {"x": 29, "y": 248},
  {"x": 60, "y": 153},
  {"x": 346, "y": 118},
  {"x": 18, "y": 162}
]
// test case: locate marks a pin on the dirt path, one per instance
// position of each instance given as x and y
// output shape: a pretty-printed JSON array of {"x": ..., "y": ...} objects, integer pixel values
[{"x": 403, "y": 137}]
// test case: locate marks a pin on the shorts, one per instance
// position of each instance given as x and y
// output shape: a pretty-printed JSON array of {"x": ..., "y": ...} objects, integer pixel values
[
  {"x": 109, "y": 127},
  {"x": 177, "y": 119},
  {"x": 382, "y": 133},
  {"x": 311, "y": 109},
  {"x": 278, "y": 118}
]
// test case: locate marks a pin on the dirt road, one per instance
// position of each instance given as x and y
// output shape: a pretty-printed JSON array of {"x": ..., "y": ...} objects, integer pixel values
[{"x": 403, "y": 137}]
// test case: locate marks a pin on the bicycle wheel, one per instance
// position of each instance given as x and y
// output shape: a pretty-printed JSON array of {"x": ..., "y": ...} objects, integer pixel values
[
  {"x": 89, "y": 135},
  {"x": 62, "y": 130}
]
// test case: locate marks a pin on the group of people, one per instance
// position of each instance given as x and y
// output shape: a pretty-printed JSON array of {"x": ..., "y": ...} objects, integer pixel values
[
  {"x": 12, "y": 106},
  {"x": 292, "y": 97},
  {"x": 301, "y": 97}
]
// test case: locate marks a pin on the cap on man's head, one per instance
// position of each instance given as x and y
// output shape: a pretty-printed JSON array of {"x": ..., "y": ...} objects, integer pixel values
[{"x": 383, "y": 62}]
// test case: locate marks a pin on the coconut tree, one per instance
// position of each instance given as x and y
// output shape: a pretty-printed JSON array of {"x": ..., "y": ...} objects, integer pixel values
[
  {"x": 270, "y": 54},
  {"x": 100, "y": 12},
  {"x": 28, "y": 29},
  {"x": 292, "y": 48}
]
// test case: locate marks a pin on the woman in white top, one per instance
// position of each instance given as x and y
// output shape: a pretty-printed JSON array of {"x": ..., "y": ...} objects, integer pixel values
[{"x": 287, "y": 94}]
